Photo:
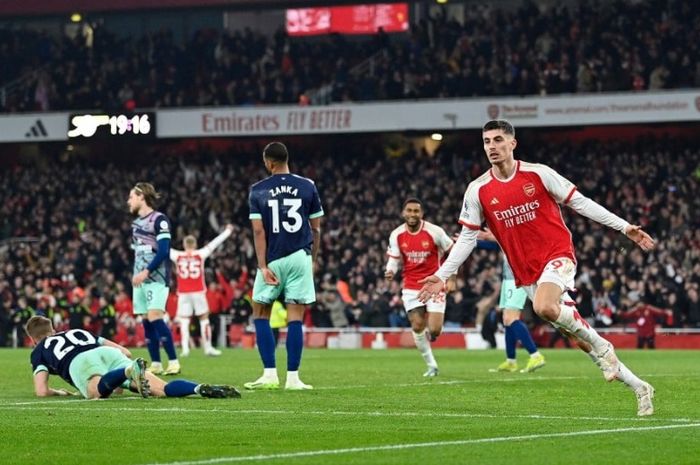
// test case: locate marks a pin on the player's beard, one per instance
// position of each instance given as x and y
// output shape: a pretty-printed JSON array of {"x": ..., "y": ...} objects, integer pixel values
[{"x": 413, "y": 224}]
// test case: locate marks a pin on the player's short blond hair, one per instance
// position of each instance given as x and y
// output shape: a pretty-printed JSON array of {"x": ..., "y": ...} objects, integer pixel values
[
  {"x": 38, "y": 327},
  {"x": 190, "y": 241}
]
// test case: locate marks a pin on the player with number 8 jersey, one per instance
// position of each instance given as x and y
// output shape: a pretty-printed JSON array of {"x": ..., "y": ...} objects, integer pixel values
[
  {"x": 285, "y": 212},
  {"x": 191, "y": 289}
]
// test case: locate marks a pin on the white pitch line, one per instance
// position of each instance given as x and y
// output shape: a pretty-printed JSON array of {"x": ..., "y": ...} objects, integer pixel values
[
  {"x": 62, "y": 401},
  {"x": 351, "y": 414},
  {"x": 516, "y": 379},
  {"x": 452, "y": 382},
  {"x": 389, "y": 447}
]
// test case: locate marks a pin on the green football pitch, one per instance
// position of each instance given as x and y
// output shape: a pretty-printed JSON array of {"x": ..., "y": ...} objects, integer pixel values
[{"x": 369, "y": 407}]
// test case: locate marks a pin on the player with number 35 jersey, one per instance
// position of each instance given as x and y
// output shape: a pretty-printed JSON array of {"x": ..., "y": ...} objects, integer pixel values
[{"x": 191, "y": 289}]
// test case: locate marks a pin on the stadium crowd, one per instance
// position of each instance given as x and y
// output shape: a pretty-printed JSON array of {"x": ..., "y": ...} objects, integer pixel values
[
  {"x": 65, "y": 244},
  {"x": 566, "y": 48}
]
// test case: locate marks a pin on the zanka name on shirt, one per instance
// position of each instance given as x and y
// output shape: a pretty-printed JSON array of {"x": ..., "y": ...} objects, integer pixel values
[{"x": 284, "y": 190}]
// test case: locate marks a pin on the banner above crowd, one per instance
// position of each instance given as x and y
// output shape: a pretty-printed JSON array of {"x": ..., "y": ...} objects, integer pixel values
[
  {"x": 431, "y": 115},
  {"x": 425, "y": 115}
]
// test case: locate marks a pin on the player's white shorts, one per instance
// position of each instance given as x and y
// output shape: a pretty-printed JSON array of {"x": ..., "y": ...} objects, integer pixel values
[
  {"x": 434, "y": 305},
  {"x": 560, "y": 271},
  {"x": 189, "y": 303}
]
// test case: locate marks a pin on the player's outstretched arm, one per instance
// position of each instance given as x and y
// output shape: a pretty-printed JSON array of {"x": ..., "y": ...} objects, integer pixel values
[
  {"x": 174, "y": 254},
  {"x": 42, "y": 389},
  {"x": 593, "y": 210},
  {"x": 216, "y": 242}
]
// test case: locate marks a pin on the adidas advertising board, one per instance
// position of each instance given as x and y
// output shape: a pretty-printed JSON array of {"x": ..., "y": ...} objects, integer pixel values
[{"x": 33, "y": 127}]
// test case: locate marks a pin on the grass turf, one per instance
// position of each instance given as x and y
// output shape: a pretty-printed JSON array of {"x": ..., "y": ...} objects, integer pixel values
[{"x": 368, "y": 407}]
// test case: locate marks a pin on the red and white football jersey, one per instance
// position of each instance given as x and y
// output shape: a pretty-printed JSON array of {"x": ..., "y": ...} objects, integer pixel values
[
  {"x": 524, "y": 215},
  {"x": 190, "y": 271},
  {"x": 189, "y": 266},
  {"x": 420, "y": 251}
]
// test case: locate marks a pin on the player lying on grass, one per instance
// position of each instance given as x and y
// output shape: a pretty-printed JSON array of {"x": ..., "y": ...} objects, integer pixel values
[{"x": 97, "y": 367}]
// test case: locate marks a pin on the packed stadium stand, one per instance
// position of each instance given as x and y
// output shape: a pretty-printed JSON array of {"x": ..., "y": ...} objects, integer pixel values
[{"x": 496, "y": 50}]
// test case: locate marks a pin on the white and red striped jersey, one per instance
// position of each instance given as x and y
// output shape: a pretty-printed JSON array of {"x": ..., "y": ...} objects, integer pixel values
[
  {"x": 189, "y": 265},
  {"x": 420, "y": 252}
]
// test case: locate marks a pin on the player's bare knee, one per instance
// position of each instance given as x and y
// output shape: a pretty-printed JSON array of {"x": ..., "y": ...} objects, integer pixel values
[
  {"x": 435, "y": 330},
  {"x": 418, "y": 326},
  {"x": 261, "y": 310},
  {"x": 417, "y": 323},
  {"x": 417, "y": 319},
  {"x": 547, "y": 310}
]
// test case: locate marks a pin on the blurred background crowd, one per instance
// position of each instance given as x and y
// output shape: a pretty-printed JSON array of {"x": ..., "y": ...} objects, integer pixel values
[
  {"x": 66, "y": 243},
  {"x": 568, "y": 47}
]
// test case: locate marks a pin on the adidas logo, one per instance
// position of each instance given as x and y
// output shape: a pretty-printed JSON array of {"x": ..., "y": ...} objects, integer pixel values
[
  {"x": 494, "y": 201},
  {"x": 37, "y": 130}
]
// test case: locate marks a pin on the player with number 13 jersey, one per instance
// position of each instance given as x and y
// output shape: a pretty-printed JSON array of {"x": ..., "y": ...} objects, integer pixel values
[
  {"x": 285, "y": 203},
  {"x": 285, "y": 213}
]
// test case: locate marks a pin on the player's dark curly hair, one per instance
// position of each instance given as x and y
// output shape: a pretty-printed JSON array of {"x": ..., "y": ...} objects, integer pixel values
[
  {"x": 276, "y": 152},
  {"x": 150, "y": 195},
  {"x": 412, "y": 200},
  {"x": 501, "y": 124}
]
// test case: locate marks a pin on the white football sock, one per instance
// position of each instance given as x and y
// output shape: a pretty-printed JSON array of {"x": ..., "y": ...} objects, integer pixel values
[
  {"x": 423, "y": 346},
  {"x": 630, "y": 379},
  {"x": 580, "y": 328},
  {"x": 205, "y": 332},
  {"x": 293, "y": 377},
  {"x": 185, "y": 334},
  {"x": 270, "y": 373}
]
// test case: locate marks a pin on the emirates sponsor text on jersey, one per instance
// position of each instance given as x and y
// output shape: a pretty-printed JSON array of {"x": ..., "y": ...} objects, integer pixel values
[
  {"x": 517, "y": 214},
  {"x": 415, "y": 256}
]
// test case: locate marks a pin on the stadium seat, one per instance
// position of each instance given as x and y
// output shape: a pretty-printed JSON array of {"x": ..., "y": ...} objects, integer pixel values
[
  {"x": 248, "y": 341},
  {"x": 316, "y": 340},
  {"x": 235, "y": 335}
]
